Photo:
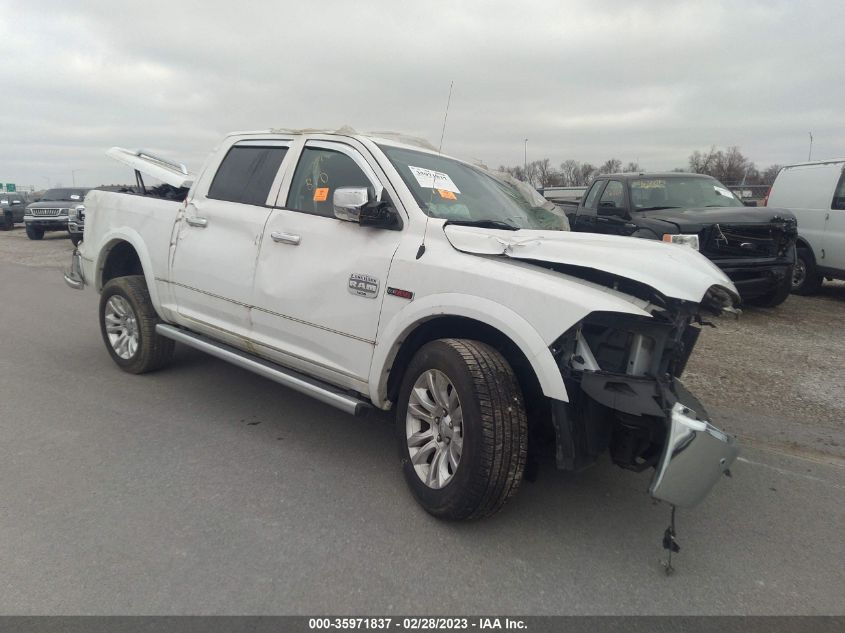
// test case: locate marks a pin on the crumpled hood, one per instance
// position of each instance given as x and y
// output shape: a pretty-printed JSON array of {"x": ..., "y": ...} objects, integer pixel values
[
  {"x": 674, "y": 270},
  {"x": 694, "y": 219}
]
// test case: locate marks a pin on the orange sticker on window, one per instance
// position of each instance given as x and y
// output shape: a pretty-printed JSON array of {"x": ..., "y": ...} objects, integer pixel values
[
  {"x": 320, "y": 194},
  {"x": 445, "y": 193}
]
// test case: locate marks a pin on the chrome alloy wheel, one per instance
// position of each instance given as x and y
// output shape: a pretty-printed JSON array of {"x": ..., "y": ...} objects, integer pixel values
[
  {"x": 434, "y": 428},
  {"x": 121, "y": 327},
  {"x": 799, "y": 273}
]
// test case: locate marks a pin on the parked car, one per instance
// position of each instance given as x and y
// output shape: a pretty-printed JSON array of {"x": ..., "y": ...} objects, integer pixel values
[
  {"x": 12, "y": 209},
  {"x": 376, "y": 272},
  {"x": 815, "y": 193},
  {"x": 50, "y": 213},
  {"x": 76, "y": 223},
  {"x": 754, "y": 247}
]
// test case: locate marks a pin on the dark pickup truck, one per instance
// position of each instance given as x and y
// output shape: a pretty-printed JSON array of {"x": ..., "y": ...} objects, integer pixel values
[
  {"x": 755, "y": 247},
  {"x": 12, "y": 206}
]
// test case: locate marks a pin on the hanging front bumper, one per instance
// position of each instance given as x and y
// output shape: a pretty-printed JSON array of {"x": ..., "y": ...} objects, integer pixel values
[{"x": 695, "y": 457}]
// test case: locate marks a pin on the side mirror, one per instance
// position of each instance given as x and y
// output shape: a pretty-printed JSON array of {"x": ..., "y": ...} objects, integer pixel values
[
  {"x": 348, "y": 202},
  {"x": 358, "y": 204},
  {"x": 608, "y": 209}
]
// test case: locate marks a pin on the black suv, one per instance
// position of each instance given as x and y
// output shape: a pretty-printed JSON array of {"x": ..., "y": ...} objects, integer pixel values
[
  {"x": 755, "y": 247},
  {"x": 12, "y": 207},
  {"x": 50, "y": 213}
]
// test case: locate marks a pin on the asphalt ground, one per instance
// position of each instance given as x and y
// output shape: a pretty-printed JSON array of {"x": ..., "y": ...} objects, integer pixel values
[{"x": 203, "y": 489}]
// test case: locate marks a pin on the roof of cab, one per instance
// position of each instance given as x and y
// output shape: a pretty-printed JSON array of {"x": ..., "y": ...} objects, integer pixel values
[{"x": 391, "y": 138}]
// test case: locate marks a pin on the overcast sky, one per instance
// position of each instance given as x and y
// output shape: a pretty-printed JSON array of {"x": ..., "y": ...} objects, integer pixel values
[{"x": 638, "y": 80}]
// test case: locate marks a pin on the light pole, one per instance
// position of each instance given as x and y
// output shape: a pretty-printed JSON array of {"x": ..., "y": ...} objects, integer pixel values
[
  {"x": 73, "y": 175},
  {"x": 525, "y": 161},
  {"x": 47, "y": 178},
  {"x": 810, "y": 155}
]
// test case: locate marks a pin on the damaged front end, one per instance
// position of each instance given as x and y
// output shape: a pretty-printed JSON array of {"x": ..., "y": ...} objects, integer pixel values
[{"x": 623, "y": 376}]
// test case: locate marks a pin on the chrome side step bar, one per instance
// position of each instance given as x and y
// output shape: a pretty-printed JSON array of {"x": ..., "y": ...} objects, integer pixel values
[{"x": 287, "y": 377}]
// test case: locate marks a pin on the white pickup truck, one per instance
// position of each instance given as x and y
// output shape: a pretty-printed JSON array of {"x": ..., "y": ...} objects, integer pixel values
[{"x": 373, "y": 271}]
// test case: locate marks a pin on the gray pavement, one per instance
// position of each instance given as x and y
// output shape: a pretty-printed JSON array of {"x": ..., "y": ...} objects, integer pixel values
[{"x": 204, "y": 489}]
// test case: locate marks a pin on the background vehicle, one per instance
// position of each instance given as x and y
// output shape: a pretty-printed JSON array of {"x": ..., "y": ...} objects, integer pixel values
[
  {"x": 12, "y": 209},
  {"x": 374, "y": 272},
  {"x": 754, "y": 247},
  {"x": 815, "y": 193},
  {"x": 50, "y": 213}
]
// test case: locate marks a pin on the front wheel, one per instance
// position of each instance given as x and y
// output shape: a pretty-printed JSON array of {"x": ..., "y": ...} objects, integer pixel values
[
  {"x": 33, "y": 232},
  {"x": 462, "y": 429},
  {"x": 806, "y": 280},
  {"x": 776, "y": 296},
  {"x": 127, "y": 323}
]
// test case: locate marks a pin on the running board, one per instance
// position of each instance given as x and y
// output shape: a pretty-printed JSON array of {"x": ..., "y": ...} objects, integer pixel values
[{"x": 287, "y": 377}]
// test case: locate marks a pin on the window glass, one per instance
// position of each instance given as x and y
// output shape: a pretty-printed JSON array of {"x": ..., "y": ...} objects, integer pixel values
[
  {"x": 613, "y": 194},
  {"x": 675, "y": 192},
  {"x": 448, "y": 189},
  {"x": 246, "y": 174},
  {"x": 590, "y": 200},
  {"x": 839, "y": 194},
  {"x": 318, "y": 174}
]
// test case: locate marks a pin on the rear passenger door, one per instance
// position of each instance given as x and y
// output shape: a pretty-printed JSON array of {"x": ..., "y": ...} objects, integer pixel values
[{"x": 218, "y": 237}]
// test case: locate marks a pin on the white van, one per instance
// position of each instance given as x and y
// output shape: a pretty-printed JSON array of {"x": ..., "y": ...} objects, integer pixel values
[{"x": 815, "y": 193}]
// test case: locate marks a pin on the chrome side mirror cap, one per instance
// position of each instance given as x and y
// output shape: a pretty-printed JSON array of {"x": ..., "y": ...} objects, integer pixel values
[{"x": 348, "y": 202}]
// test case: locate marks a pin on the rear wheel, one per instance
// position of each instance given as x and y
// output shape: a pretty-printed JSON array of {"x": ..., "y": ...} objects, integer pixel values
[
  {"x": 7, "y": 222},
  {"x": 33, "y": 232},
  {"x": 462, "y": 429},
  {"x": 806, "y": 280},
  {"x": 127, "y": 323}
]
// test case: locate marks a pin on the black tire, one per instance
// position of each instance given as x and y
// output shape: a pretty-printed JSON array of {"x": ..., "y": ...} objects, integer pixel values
[
  {"x": 33, "y": 232},
  {"x": 153, "y": 351},
  {"x": 806, "y": 280},
  {"x": 776, "y": 296},
  {"x": 494, "y": 429},
  {"x": 8, "y": 221}
]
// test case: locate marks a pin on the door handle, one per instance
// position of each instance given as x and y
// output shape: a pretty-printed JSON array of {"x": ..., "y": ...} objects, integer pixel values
[
  {"x": 285, "y": 238},
  {"x": 195, "y": 221}
]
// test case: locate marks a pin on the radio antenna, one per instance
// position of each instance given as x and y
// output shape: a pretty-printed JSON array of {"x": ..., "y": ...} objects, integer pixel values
[{"x": 445, "y": 116}]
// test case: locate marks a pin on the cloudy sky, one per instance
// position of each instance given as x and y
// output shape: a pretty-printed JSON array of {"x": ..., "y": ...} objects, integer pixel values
[{"x": 647, "y": 80}]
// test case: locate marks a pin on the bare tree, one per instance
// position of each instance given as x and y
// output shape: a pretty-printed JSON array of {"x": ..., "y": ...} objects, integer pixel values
[
  {"x": 731, "y": 167},
  {"x": 632, "y": 167},
  {"x": 767, "y": 177},
  {"x": 612, "y": 166},
  {"x": 545, "y": 173},
  {"x": 570, "y": 172},
  {"x": 586, "y": 174},
  {"x": 703, "y": 162}
]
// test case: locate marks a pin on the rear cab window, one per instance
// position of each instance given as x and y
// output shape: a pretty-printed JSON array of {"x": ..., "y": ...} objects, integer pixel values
[{"x": 246, "y": 174}]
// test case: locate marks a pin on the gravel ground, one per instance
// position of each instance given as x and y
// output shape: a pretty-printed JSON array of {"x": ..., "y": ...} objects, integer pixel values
[{"x": 774, "y": 377}]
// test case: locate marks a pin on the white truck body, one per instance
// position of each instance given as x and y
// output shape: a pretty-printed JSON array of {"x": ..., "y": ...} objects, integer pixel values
[{"x": 334, "y": 301}]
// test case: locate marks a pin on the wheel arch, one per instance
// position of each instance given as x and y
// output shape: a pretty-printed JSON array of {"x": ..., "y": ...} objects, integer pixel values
[
  {"x": 485, "y": 321},
  {"x": 801, "y": 242},
  {"x": 121, "y": 255}
]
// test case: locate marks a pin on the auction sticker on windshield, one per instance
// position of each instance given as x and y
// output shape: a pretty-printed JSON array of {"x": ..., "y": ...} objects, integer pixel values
[{"x": 431, "y": 179}]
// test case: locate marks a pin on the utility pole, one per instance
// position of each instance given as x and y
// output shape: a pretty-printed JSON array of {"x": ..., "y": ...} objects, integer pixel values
[
  {"x": 525, "y": 161},
  {"x": 810, "y": 155},
  {"x": 73, "y": 175}
]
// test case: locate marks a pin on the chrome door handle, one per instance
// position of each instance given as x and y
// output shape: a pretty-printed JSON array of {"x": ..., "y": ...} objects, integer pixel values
[
  {"x": 194, "y": 221},
  {"x": 285, "y": 238}
]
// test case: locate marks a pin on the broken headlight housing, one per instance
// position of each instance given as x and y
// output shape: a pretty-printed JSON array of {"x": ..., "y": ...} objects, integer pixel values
[{"x": 690, "y": 240}]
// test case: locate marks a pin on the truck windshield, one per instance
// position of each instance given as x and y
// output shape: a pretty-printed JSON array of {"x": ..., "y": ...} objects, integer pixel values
[
  {"x": 451, "y": 190},
  {"x": 58, "y": 195},
  {"x": 679, "y": 192}
]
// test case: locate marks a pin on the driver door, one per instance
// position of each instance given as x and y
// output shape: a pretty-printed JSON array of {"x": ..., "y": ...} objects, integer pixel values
[{"x": 320, "y": 281}]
